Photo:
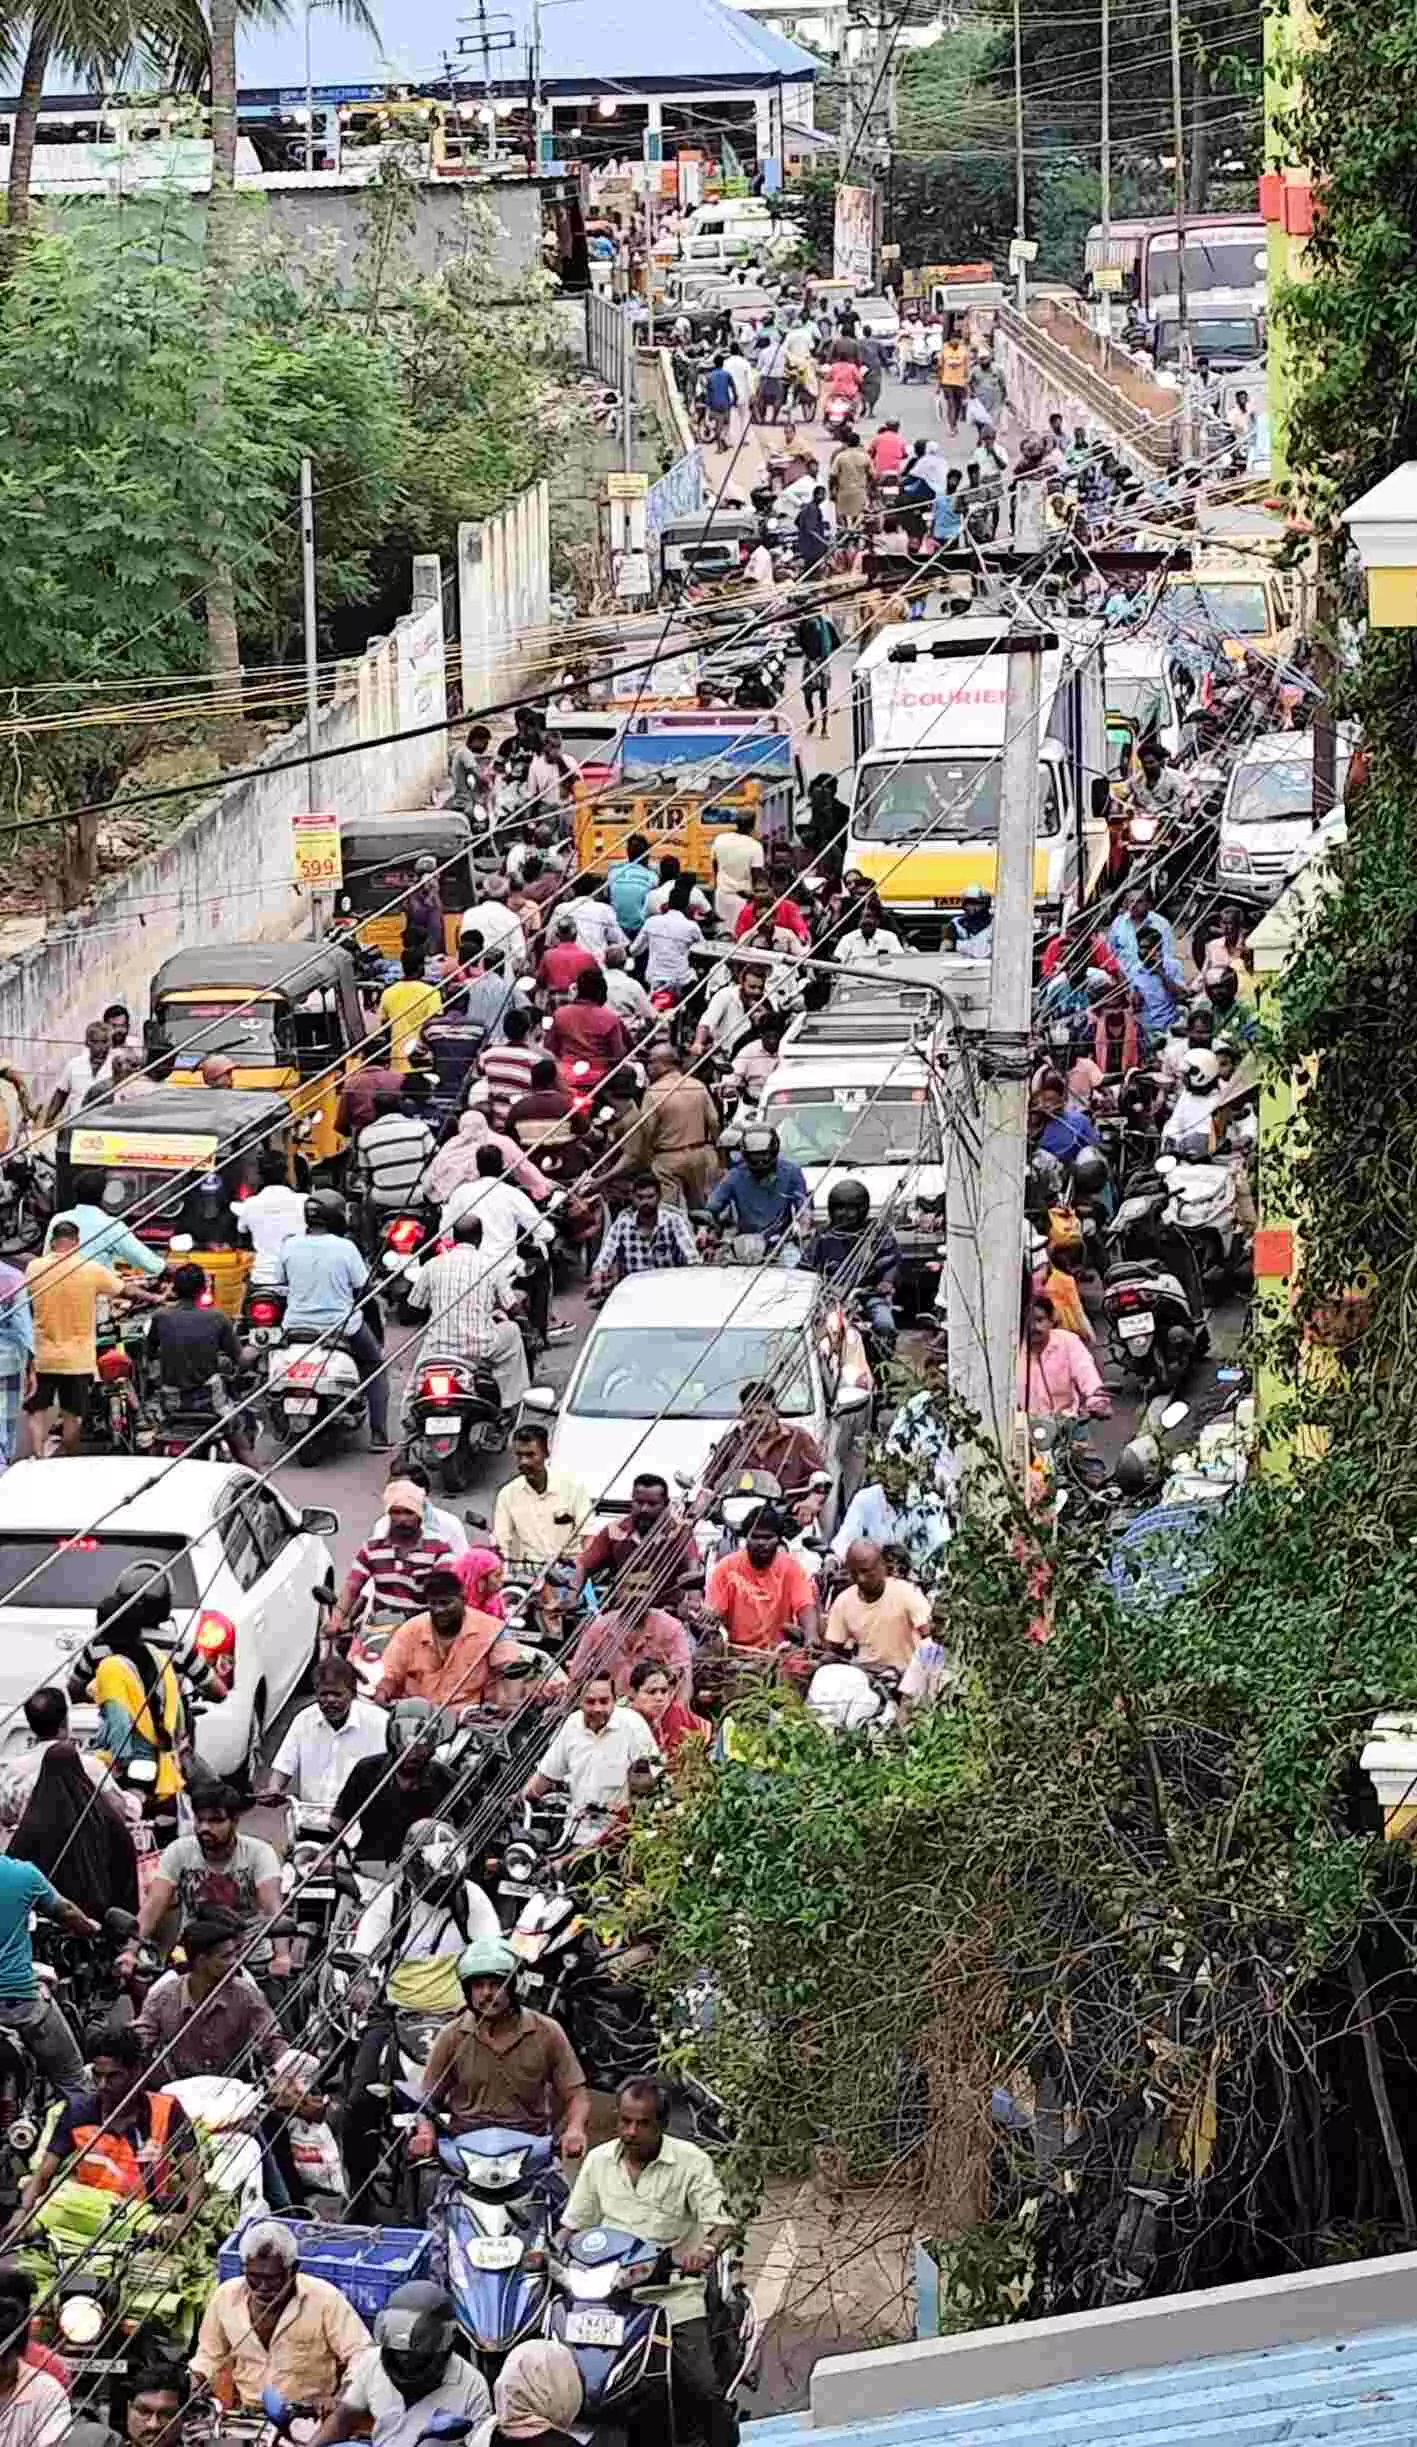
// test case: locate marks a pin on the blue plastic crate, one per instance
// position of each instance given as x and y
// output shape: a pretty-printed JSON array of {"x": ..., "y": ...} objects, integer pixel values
[{"x": 366, "y": 2264}]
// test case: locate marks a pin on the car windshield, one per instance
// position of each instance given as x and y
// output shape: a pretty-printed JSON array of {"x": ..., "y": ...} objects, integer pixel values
[
  {"x": 687, "y": 1372},
  {"x": 1235, "y": 606},
  {"x": 855, "y": 1125},
  {"x": 73, "y": 1572},
  {"x": 221, "y": 1024},
  {"x": 1264, "y": 794},
  {"x": 942, "y": 798}
]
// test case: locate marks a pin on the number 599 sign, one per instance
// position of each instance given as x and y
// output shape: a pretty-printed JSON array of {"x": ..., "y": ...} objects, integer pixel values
[{"x": 316, "y": 850}]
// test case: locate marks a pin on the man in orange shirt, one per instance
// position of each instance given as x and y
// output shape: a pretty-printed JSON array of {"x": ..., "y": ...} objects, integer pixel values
[
  {"x": 761, "y": 1592},
  {"x": 454, "y": 1654},
  {"x": 952, "y": 377}
]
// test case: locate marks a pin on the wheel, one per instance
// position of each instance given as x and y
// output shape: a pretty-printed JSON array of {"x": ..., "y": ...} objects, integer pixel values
[{"x": 456, "y": 1471}]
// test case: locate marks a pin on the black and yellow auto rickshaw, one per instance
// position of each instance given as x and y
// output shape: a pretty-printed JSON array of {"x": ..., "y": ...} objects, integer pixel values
[
  {"x": 287, "y": 1014},
  {"x": 174, "y": 1164},
  {"x": 379, "y": 855}
]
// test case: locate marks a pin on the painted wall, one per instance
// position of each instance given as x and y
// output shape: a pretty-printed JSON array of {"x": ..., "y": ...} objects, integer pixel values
[
  {"x": 226, "y": 873},
  {"x": 1054, "y": 363},
  {"x": 504, "y": 597}
]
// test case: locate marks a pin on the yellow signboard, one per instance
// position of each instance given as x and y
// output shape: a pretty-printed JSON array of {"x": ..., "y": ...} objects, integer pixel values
[
  {"x": 177, "y": 1151},
  {"x": 316, "y": 848}
]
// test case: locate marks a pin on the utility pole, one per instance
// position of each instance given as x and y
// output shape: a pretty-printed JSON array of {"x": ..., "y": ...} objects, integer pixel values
[
  {"x": 1105, "y": 163},
  {"x": 312, "y": 642},
  {"x": 1183, "y": 328},
  {"x": 985, "y": 1217},
  {"x": 1020, "y": 175},
  {"x": 627, "y": 385}
]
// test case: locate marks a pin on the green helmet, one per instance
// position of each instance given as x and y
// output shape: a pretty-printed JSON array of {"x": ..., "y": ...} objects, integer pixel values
[{"x": 487, "y": 1958}]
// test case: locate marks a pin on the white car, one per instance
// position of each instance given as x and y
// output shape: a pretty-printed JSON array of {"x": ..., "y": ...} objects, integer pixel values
[
  {"x": 658, "y": 1380},
  {"x": 1267, "y": 821},
  {"x": 875, "y": 1117},
  {"x": 878, "y": 318},
  {"x": 242, "y": 1562}
]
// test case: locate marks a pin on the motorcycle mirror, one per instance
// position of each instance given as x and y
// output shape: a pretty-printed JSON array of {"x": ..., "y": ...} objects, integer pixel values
[{"x": 1174, "y": 1413}]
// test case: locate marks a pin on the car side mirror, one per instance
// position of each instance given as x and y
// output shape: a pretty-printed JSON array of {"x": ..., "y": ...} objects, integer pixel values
[
  {"x": 319, "y": 1522},
  {"x": 540, "y": 1400}
]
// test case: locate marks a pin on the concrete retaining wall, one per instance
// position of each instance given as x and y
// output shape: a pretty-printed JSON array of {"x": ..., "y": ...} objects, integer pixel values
[
  {"x": 226, "y": 873},
  {"x": 504, "y": 598},
  {"x": 1053, "y": 364}
]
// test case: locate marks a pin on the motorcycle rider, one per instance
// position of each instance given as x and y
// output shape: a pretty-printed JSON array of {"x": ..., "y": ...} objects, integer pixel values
[
  {"x": 501, "y": 2064},
  {"x": 647, "y": 2183},
  {"x": 411, "y": 1935},
  {"x": 760, "y": 1439},
  {"x": 472, "y": 1299},
  {"x": 974, "y": 927},
  {"x": 1193, "y": 1113},
  {"x": 866, "y": 1263},
  {"x": 761, "y": 1592},
  {"x": 412, "y": 2372},
  {"x": 189, "y": 1346},
  {"x": 326, "y": 1282},
  {"x": 325, "y": 1741},
  {"x": 761, "y": 1191},
  {"x": 216, "y": 1867},
  {"x": 388, "y": 1806}
]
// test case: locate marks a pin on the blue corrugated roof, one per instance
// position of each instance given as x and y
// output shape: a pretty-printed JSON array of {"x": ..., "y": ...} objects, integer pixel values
[
  {"x": 588, "y": 44},
  {"x": 1359, "y": 2389}
]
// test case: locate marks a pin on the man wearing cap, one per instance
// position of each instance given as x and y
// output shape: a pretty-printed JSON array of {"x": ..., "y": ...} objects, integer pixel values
[
  {"x": 499, "y": 2064},
  {"x": 218, "y": 1071},
  {"x": 394, "y": 1566}
]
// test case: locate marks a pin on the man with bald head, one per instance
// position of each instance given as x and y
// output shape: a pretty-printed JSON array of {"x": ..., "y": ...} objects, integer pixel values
[{"x": 878, "y": 1618}]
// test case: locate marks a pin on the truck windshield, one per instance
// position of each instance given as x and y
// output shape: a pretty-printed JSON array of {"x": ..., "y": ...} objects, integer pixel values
[
  {"x": 1234, "y": 606},
  {"x": 1222, "y": 259},
  {"x": 1234, "y": 336},
  {"x": 1265, "y": 794},
  {"x": 939, "y": 798}
]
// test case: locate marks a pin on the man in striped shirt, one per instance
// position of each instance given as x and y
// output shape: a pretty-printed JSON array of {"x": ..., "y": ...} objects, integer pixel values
[
  {"x": 393, "y": 1569},
  {"x": 507, "y": 1068},
  {"x": 469, "y": 1297}
]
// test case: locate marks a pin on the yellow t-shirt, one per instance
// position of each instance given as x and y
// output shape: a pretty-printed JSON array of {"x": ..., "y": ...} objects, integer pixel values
[
  {"x": 64, "y": 1293},
  {"x": 953, "y": 369},
  {"x": 405, "y": 1007}
]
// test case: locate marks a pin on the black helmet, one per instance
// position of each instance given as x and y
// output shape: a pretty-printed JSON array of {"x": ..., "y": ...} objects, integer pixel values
[
  {"x": 760, "y": 1148},
  {"x": 416, "y": 2333},
  {"x": 1042, "y": 1183},
  {"x": 141, "y": 1596},
  {"x": 848, "y": 1206},
  {"x": 416, "y": 1723},
  {"x": 1090, "y": 1174},
  {"x": 1133, "y": 1473},
  {"x": 328, "y": 1208}
]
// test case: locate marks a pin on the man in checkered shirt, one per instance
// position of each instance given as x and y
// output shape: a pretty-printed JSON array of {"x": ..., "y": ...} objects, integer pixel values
[
  {"x": 642, "y": 1240},
  {"x": 469, "y": 1298}
]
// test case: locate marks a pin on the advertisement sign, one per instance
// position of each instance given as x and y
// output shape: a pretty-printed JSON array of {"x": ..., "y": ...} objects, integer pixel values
[
  {"x": 854, "y": 236},
  {"x": 174, "y": 1152},
  {"x": 315, "y": 851}
]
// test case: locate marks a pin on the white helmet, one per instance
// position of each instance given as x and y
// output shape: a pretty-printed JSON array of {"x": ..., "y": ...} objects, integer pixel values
[
  {"x": 1200, "y": 1072},
  {"x": 843, "y": 1699}
]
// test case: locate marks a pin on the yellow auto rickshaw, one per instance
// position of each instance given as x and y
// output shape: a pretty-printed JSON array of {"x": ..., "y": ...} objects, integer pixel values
[
  {"x": 287, "y": 1015},
  {"x": 378, "y": 855},
  {"x": 174, "y": 1164}
]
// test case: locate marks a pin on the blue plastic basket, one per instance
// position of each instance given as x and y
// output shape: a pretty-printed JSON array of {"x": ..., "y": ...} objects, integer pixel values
[{"x": 366, "y": 2264}]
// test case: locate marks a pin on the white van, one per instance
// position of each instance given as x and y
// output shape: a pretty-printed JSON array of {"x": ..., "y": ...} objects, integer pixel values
[
  {"x": 1267, "y": 820},
  {"x": 738, "y": 230},
  {"x": 1147, "y": 690}
]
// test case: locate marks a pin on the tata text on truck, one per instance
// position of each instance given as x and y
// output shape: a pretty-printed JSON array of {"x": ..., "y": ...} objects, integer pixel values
[{"x": 929, "y": 737}]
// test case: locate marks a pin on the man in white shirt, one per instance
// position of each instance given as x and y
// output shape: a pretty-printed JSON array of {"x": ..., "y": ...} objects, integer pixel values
[
  {"x": 623, "y": 992},
  {"x": 499, "y": 926},
  {"x": 504, "y": 1211},
  {"x": 323, "y": 1743},
  {"x": 731, "y": 1012},
  {"x": 591, "y": 1756},
  {"x": 83, "y": 1072},
  {"x": 275, "y": 1215},
  {"x": 740, "y": 374},
  {"x": 667, "y": 942},
  {"x": 868, "y": 942},
  {"x": 540, "y": 1514},
  {"x": 596, "y": 924},
  {"x": 759, "y": 572},
  {"x": 737, "y": 857}
]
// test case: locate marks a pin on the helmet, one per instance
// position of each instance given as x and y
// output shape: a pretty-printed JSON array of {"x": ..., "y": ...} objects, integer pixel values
[
  {"x": 1133, "y": 1473},
  {"x": 974, "y": 896},
  {"x": 1090, "y": 1174},
  {"x": 848, "y": 1206},
  {"x": 328, "y": 1208},
  {"x": 841, "y": 1697},
  {"x": 1200, "y": 1072},
  {"x": 433, "y": 1858},
  {"x": 760, "y": 1148},
  {"x": 416, "y": 2332},
  {"x": 142, "y": 1596},
  {"x": 487, "y": 1958},
  {"x": 1043, "y": 1182},
  {"x": 415, "y": 1723},
  {"x": 426, "y": 865}
]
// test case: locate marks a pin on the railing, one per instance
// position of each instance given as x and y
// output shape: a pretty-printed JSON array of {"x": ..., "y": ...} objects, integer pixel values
[{"x": 1146, "y": 431}]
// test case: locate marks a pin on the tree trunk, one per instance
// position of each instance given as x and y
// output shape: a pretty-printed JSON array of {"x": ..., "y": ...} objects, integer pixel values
[
  {"x": 26, "y": 121},
  {"x": 1198, "y": 166},
  {"x": 223, "y": 641}
]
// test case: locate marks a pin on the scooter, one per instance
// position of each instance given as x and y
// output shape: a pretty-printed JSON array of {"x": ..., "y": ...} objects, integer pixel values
[
  {"x": 1202, "y": 1205},
  {"x": 622, "y": 2346},
  {"x": 403, "y": 1245},
  {"x": 1153, "y": 1302},
  {"x": 455, "y": 1414},
  {"x": 495, "y": 2218},
  {"x": 313, "y": 1392}
]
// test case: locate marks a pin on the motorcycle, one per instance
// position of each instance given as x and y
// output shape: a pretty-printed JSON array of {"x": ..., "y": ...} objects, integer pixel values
[
  {"x": 1153, "y": 1302},
  {"x": 622, "y": 2346},
  {"x": 262, "y": 1314},
  {"x": 313, "y": 1393},
  {"x": 1202, "y": 1206},
  {"x": 454, "y": 1414},
  {"x": 403, "y": 1244}
]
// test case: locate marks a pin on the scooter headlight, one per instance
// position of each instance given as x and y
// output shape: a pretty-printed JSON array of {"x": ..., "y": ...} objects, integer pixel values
[{"x": 81, "y": 2319}]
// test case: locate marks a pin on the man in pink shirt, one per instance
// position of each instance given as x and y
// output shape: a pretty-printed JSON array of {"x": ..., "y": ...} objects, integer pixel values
[
  {"x": 1057, "y": 1374},
  {"x": 888, "y": 452}
]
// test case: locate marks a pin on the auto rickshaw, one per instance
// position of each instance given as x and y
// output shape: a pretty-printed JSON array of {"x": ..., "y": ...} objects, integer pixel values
[
  {"x": 288, "y": 1015},
  {"x": 378, "y": 854},
  {"x": 175, "y": 1164}
]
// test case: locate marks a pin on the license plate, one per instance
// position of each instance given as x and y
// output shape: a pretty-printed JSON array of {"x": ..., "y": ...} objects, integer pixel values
[
  {"x": 594, "y": 2328},
  {"x": 1136, "y": 1329},
  {"x": 442, "y": 1425},
  {"x": 494, "y": 2252},
  {"x": 301, "y": 1409}
]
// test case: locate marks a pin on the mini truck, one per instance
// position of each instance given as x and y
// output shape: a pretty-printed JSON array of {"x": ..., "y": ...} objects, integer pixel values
[{"x": 684, "y": 778}]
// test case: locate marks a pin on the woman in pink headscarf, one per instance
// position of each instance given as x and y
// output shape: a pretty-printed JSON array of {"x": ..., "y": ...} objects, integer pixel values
[
  {"x": 457, "y": 1162},
  {"x": 480, "y": 1571}
]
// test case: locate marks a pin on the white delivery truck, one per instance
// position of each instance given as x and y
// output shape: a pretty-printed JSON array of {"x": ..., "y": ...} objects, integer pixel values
[{"x": 928, "y": 712}]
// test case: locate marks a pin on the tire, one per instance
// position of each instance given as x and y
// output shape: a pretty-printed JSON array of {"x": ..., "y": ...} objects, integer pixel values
[{"x": 456, "y": 1471}]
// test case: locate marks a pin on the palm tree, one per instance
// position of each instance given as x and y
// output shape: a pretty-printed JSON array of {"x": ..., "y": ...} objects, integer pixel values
[{"x": 96, "y": 37}]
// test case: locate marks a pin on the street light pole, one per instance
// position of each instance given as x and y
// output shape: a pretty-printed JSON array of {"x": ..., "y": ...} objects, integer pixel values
[
  {"x": 1105, "y": 169},
  {"x": 312, "y": 646},
  {"x": 1183, "y": 328},
  {"x": 309, "y": 92}
]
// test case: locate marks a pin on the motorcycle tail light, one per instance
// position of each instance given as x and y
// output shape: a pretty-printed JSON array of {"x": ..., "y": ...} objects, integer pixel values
[
  {"x": 1130, "y": 1299},
  {"x": 405, "y": 1234},
  {"x": 113, "y": 1366},
  {"x": 265, "y": 1312},
  {"x": 440, "y": 1384}
]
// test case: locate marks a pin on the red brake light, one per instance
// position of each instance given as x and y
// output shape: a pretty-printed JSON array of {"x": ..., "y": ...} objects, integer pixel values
[
  {"x": 76, "y": 1546},
  {"x": 265, "y": 1312},
  {"x": 406, "y": 1233},
  {"x": 216, "y": 1634},
  {"x": 243, "y": 1190},
  {"x": 439, "y": 1384},
  {"x": 1129, "y": 1299},
  {"x": 113, "y": 1365},
  {"x": 207, "y": 1298}
]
